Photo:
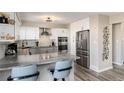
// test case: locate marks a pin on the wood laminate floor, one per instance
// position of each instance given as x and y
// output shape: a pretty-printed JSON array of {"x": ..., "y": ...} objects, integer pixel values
[{"x": 84, "y": 74}]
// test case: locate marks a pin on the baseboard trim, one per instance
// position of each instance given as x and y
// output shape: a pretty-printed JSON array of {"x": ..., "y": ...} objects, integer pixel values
[
  {"x": 117, "y": 63},
  {"x": 97, "y": 70},
  {"x": 108, "y": 68},
  {"x": 94, "y": 68}
]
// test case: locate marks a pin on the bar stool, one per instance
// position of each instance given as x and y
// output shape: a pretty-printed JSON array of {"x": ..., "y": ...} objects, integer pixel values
[
  {"x": 24, "y": 73},
  {"x": 62, "y": 69}
]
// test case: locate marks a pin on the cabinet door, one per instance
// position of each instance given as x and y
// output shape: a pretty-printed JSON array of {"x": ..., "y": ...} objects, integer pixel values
[
  {"x": 61, "y": 32},
  {"x": 32, "y": 33},
  {"x": 29, "y": 33},
  {"x": 36, "y": 32},
  {"x": 22, "y": 33},
  {"x": 7, "y": 29}
]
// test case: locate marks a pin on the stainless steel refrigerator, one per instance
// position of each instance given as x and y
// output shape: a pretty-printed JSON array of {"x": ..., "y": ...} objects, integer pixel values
[{"x": 83, "y": 48}]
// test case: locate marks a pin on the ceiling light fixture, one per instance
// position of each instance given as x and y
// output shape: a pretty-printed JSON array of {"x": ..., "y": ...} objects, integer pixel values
[{"x": 48, "y": 19}]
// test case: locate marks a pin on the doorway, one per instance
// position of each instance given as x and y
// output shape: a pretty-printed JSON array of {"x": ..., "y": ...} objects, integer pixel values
[{"x": 117, "y": 44}]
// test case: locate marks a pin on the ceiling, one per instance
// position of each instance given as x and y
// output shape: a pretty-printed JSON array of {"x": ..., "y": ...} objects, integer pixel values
[{"x": 60, "y": 17}]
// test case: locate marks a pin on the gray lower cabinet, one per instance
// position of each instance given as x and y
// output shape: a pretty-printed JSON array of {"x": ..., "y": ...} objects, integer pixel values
[
  {"x": 23, "y": 51},
  {"x": 4, "y": 74},
  {"x": 43, "y": 50},
  {"x": 37, "y": 50}
]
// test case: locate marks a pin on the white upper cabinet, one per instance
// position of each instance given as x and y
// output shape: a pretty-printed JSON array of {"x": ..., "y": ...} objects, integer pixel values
[
  {"x": 63, "y": 33},
  {"x": 7, "y": 28},
  {"x": 29, "y": 33},
  {"x": 59, "y": 32},
  {"x": 22, "y": 33},
  {"x": 32, "y": 33}
]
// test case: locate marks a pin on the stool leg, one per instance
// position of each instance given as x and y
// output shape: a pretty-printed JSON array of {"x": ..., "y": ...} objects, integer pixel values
[
  {"x": 55, "y": 79},
  {"x": 63, "y": 79}
]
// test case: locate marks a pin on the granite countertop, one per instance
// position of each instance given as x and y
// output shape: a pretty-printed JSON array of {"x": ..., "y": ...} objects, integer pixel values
[
  {"x": 39, "y": 59},
  {"x": 37, "y": 47}
]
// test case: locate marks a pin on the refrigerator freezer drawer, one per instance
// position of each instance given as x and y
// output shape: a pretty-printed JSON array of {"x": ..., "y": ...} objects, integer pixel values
[
  {"x": 82, "y": 53},
  {"x": 83, "y": 61}
]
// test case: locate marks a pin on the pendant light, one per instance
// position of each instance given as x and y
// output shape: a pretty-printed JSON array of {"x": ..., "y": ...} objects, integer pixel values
[{"x": 45, "y": 32}]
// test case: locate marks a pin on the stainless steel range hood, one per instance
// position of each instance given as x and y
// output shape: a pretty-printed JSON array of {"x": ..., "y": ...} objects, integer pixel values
[{"x": 45, "y": 31}]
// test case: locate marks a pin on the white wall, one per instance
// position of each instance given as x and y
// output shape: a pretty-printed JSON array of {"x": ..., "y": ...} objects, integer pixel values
[
  {"x": 116, "y": 19},
  {"x": 117, "y": 43},
  {"x": 118, "y": 39},
  {"x": 97, "y": 24},
  {"x": 75, "y": 27},
  {"x": 17, "y": 27},
  {"x": 94, "y": 59},
  {"x": 106, "y": 64}
]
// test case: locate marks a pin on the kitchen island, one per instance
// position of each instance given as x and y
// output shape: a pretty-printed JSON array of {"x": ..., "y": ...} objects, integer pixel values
[
  {"x": 37, "y": 50},
  {"x": 44, "y": 62}
]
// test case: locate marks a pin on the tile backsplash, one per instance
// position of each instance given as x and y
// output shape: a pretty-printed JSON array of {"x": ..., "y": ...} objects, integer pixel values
[
  {"x": 27, "y": 43},
  {"x": 30, "y": 43}
]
